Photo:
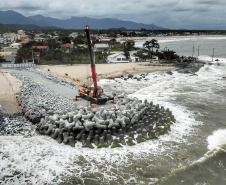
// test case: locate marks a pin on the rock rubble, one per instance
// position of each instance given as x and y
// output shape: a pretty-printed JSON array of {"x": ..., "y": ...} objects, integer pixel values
[{"x": 127, "y": 122}]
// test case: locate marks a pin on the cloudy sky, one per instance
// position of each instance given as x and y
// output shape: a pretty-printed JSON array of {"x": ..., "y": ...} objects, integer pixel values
[{"x": 174, "y": 14}]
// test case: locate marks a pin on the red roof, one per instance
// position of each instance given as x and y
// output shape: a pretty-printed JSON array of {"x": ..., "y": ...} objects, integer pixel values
[
  {"x": 67, "y": 45},
  {"x": 40, "y": 47},
  {"x": 23, "y": 42}
]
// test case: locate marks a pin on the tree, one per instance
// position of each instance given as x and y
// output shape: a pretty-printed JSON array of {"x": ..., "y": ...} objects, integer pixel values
[
  {"x": 1, "y": 58},
  {"x": 126, "y": 53},
  {"x": 141, "y": 54},
  {"x": 22, "y": 54},
  {"x": 80, "y": 54},
  {"x": 150, "y": 45},
  {"x": 52, "y": 43},
  {"x": 79, "y": 40},
  {"x": 167, "y": 55},
  {"x": 63, "y": 38}
]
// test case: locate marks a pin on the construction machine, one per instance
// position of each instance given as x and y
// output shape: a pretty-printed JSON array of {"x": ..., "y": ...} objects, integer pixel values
[{"x": 93, "y": 94}]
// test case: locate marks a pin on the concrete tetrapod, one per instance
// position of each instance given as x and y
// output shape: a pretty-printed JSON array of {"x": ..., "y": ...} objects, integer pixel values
[{"x": 69, "y": 122}]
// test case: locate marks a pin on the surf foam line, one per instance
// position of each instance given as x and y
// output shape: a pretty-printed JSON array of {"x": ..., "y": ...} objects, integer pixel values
[
  {"x": 216, "y": 144},
  {"x": 42, "y": 160}
]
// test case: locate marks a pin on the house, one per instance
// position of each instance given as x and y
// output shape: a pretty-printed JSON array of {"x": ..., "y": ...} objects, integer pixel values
[
  {"x": 73, "y": 35},
  {"x": 118, "y": 58},
  {"x": 15, "y": 46},
  {"x": 101, "y": 47},
  {"x": 2, "y": 40},
  {"x": 41, "y": 48},
  {"x": 34, "y": 58},
  {"x": 133, "y": 57},
  {"x": 104, "y": 40},
  {"x": 129, "y": 43},
  {"x": 23, "y": 42},
  {"x": 67, "y": 48}
]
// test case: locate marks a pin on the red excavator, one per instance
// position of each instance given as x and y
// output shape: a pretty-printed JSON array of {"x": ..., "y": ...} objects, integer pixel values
[{"x": 93, "y": 94}]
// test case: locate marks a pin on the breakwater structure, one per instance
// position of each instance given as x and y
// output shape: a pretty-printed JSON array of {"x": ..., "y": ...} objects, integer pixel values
[{"x": 128, "y": 122}]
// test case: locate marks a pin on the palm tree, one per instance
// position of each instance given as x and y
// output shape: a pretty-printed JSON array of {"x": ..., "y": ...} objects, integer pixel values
[{"x": 150, "y": 45}]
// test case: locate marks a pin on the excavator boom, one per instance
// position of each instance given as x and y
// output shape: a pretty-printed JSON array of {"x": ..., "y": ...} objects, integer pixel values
[
  {"x": 93, "y": 67},
  {"x": 92, "y": 94}
]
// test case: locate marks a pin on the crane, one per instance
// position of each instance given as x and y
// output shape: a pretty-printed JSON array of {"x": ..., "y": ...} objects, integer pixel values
[{"x": 93, "y": 94}]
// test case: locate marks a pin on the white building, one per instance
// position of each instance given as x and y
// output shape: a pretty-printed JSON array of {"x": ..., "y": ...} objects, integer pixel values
[
  {"x": 133, "y": 56},
  {"x": 118, "y": 58},
  {"x": 74, "y": 34},
  {"x": 15, "y": 46},
  {"x": 101, "y": 47},
  {"x": 2, "y": 40}
]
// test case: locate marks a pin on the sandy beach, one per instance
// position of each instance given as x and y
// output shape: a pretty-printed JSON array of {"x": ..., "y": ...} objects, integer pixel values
[
  {"x": 82, "y": 73},
  {"x": 9, "y": 86}
]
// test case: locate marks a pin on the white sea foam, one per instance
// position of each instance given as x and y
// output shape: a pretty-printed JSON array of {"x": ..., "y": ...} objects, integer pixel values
[
  {"x": 216, "y": 142},
  {"x": 217, "y": 139},
  {"x": 41, "y": 159},
  {"x": 46, "y": 160}
]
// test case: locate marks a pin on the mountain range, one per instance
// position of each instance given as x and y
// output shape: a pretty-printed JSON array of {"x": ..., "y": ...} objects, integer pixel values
[{"x": 12, "y": 17}]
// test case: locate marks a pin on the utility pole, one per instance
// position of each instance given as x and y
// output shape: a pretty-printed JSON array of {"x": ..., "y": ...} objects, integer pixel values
[
  {"x": 198, "y": 50},
  {"x": 33, "y": 56},
  {"x": 213, "y": 54},
  {"x": 193, "y": 50}
]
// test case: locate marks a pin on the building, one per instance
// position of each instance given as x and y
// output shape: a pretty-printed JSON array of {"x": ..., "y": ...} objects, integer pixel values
[
  {"x": 101, "y": 47},
  {"x": 129, "y": 43},
  {"x": 73, "y": 35},
  {"x": 23, "y": 42},
  {"x": 133, "y": 57},
  {"x": 67, "y": 48},
  {"x": 34, "y": 58},
  {"x": 118, "y": 58},
  {"x": 41, "y": 48},
  {"x": 15, "y": 46},
  {"x": 104, "y": 40}
]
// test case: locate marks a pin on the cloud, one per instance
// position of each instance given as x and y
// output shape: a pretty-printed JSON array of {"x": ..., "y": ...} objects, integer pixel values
[
  {"x": 165, "y": 13},
  {"x": 210, "y": 2}
]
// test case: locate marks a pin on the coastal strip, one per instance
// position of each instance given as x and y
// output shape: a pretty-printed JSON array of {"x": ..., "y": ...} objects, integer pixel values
[{"x": 82, "y": 75}]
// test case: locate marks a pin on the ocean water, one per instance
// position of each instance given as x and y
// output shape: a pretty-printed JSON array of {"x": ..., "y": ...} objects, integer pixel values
[
  {"x": 194, "y": 151},
  {"x": 184, "y": 45}
]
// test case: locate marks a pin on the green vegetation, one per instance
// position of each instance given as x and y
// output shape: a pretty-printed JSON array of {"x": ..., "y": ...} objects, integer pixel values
[
  {"x": 22, "y": 54},
  {"x": 167, "y": 55},
  {"x": 150, "y": 45},
  {"x": 78, "y": 53},
  {"x": 1, "y": 58}
]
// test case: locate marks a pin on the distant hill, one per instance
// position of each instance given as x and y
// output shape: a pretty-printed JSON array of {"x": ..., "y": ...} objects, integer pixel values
[
  {"x": 13, "y": 27},
  {"x": 30, "y": 27},
  {"x": 12, "y": 17},
  {"x": 105, "y": 23}
]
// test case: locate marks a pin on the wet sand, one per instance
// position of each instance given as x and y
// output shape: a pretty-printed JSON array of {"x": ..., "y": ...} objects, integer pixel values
[
  {"x": 82, "y": 73},
  {"x": 8, "y": 86}
]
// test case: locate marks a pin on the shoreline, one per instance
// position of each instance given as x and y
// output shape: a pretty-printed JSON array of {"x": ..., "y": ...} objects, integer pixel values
[
  {"x": 82, "y": 73},
  {"x": 168, "y": 37},
  {"x": 10, "y": 85}
]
